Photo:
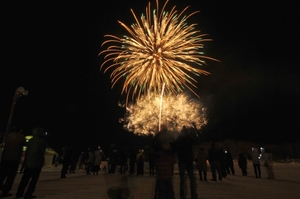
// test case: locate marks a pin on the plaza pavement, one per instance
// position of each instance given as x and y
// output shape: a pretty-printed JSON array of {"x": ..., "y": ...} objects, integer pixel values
[{"x": 79, "y": 185}]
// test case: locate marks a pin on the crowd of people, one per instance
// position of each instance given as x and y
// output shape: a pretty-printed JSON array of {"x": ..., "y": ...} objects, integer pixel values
[
  {"x": 89, "y": 160},
  {"x": 161, "y": 157},
  {"x": 10, "y": 159}
]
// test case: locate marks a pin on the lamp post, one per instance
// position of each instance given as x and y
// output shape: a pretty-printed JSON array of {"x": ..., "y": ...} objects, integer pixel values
[{"x": 20, "y": 91}]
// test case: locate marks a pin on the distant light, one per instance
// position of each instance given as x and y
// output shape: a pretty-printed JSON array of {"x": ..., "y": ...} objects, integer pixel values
[{"x": 28, "y": 137}]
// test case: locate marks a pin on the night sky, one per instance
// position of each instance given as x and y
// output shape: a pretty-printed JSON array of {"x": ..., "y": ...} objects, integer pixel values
[{"x": 51, "y": 49}]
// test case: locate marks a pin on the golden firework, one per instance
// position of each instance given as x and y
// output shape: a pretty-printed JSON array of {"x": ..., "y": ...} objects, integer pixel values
[
  {"x": 177, "y": 111},
  {"x": 161, "y": 48}
]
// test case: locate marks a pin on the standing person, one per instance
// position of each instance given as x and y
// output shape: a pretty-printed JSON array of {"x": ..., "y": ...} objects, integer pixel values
[
  {"x": 256, "y": 162},
  {"x": 268, "y": 158},
  {"x": 113, "y": 161},
  {"x": 97, "y": 161},
  {"x": 214, "y": 161},
  {"x": 184, "y": 145},
  {"x": 229, "y": 163},
  {"x": 140, "y": 158},
  {"x": 201, "y": 161},
  {"x": 66, "y": 160},
  {"x": 34, "y": 161},
  {"x": 151, "y": 162},
  {"x": 243, "y": 163},
  {"x": 164, "y": 160},
  {"x": 164, "y": 164},
  {"x": 89, "y": 161},
  {"x": 122, "y": 162},
  {"x": 81, "y": 160},
  {"x": 222, "y": 162},
  {"x": 74, "y": 160},
  {"x": 11, "y": 156},
  {"x": 132, "y": 161}
]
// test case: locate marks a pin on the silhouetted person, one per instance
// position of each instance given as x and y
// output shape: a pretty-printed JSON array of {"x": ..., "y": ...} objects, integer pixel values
[
  {"x": 89, "y": 162},
  {"x": 214, "y": 161},
  {"x": 162, "y": 137},
  {"x": 222, "y": 162},
  {"x": 34, "y": 161},
  {"x": 11, "y": 156},
  {"x": 132, "y": 161},
  {"x": 164, "y": 164},
  {"x": 97, "y": 161},
  {"x": 81, "y": 160},
  {"x": 151, "y": 162},
  {"x": 201, "y": 161},
  {"x": 256, "y": 162},
  {"x": 184, "y": 144},
  {"x": 74, "y": 160},
  {"x": 113, "y": 161},
  {"x": 229, "y": 163},
  {"x": 66, "y": 160},
  {"x": 122, "y": 161},
  {"x": 268, "y": 158},
  {"x": 164, "y": 161},
  {"x": 140, "y": 159},
  {"x": 242, "y": 161}
]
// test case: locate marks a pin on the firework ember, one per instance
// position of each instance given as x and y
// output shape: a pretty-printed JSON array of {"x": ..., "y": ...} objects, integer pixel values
[
  {"x": 177, "y": 111},
  {"x": 160, "y": 48}
]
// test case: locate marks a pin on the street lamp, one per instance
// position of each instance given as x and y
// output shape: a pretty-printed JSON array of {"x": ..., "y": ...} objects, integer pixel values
[{"x": 20, "y": 91}]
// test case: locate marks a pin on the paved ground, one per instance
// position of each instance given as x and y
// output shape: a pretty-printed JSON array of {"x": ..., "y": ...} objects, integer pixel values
[{"x": 79, "y": 185}]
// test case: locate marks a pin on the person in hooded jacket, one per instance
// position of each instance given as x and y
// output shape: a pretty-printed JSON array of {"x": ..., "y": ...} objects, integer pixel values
[
  {"x": 11, "y": 156},
  {"x": 34, "y": 161}
]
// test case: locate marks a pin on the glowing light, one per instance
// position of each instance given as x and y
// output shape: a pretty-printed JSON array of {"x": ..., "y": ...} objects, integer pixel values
[
  {"x": 177, "y": 111},
  {"x": 161, "y": 48}
]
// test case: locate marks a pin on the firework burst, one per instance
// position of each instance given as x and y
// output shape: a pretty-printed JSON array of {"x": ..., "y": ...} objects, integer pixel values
[
  {"x": 177, "y": 111},
  {"x": 160, "y": 48}
]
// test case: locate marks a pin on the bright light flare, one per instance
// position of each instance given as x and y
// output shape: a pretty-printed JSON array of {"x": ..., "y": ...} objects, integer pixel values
[{"x": 142, "y": 117}]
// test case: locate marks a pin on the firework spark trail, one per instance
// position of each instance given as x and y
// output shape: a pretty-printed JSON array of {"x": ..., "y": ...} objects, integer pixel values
[
  {"x": 161, "y": 49},
  {"x": 178, "y": 111},
  {"x": 160, "y": 107}
]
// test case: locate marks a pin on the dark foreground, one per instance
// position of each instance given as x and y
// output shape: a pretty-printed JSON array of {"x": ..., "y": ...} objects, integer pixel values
[{"x": 79, "y": 185}]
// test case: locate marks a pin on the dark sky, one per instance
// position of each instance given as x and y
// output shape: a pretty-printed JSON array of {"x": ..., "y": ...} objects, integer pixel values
[{"x": 52, "y": 49}]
